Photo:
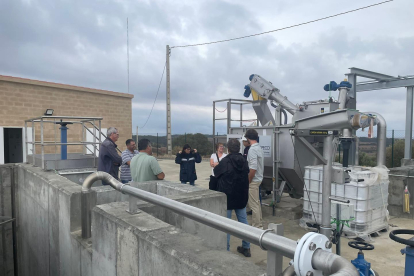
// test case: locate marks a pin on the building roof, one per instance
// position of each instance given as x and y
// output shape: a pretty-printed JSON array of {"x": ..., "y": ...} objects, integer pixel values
[{"x": 63, "y": 86}]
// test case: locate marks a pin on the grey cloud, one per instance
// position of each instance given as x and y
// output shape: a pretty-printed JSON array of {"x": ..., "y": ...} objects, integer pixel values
[{"x": 84, "y": 43}]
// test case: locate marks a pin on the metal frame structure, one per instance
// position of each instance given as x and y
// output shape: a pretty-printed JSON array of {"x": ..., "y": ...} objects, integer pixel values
[
  {"x": 312, "y": 254},
  {"x": 69, "y": 119},
  {"x": 382, "y": 81},
  {"x": 229, "y": 103}
]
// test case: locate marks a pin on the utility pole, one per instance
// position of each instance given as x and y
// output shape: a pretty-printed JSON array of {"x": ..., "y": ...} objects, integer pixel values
[
  {"x": 128, "y": 54},
  {"x": 169, "y": 142}
]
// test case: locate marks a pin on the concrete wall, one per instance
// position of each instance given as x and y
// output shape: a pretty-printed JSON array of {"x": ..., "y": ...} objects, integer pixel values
[
  {"x": 6, "y": 230},
  {"x": 149, "y": 246},
  {"x": 398, "y": 180},
  {"x": 50, "y": 243},
  {"x": 48, "y": 210}
]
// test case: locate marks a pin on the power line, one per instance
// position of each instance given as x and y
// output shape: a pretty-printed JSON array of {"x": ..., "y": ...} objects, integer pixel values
[
  {"x": 284, "y": 28},
  {"x": 159, "y": 85}
]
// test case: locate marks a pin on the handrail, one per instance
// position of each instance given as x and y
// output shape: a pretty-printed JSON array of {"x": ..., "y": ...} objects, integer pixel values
[
  {"x": 102, "y": 134},
  {"x": 321, "y": 260},
  {"x": 270, "y": 241}
]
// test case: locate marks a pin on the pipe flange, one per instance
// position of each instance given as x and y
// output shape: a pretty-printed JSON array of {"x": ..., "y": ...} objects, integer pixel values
[
  {"x": 303, "y": 254},
  {"x": 261, "y": 237}
]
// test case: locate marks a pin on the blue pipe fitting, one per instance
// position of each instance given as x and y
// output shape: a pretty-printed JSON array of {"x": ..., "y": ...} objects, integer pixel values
[
  {"x": 333, "y": 86},
  {"x": 247, "y": 91},
  {"x": 63, "y": 139},
  {"x": 362, "y": 265}
]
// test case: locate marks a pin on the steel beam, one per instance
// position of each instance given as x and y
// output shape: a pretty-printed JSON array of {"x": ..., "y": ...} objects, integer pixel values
[
  {"x": 409, "y": 123},
  {"x": 311, "y": 149},
  {"x": 369, "y": 74},
  {"x": 384, "y": 84}
]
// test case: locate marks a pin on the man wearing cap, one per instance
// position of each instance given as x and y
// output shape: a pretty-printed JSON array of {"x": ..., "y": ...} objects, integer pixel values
[{"x": 246, "y": 145}]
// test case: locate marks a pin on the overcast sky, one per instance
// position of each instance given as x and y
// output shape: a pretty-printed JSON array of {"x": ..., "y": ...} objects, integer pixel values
[{"x": 85, "y": 43}]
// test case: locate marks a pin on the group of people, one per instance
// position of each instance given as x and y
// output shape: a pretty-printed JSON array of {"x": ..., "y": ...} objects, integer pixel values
[
  {"x": 237, "y": 175},
  {"x": 135, "y": 165}
]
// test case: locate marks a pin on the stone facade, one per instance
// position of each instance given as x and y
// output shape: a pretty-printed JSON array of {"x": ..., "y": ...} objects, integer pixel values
[{"x": 22, "y": 99}]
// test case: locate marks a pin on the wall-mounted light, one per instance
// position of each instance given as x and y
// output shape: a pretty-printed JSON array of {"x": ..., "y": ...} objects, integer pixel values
[{"x": 49, "y": 112}]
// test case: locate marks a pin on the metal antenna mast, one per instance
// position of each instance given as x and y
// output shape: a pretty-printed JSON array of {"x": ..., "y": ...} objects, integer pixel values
[{"x": 169, "y": 142}]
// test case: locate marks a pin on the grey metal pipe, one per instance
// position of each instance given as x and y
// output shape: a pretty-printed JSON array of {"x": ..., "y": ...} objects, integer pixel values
[
  {"x": 333, "y": 264},
  {"x": 356, "y": 162},
  {"x": 283, "y": 102},
  {"x": 324, "y": 261},
  {"x": 381, "y": 138},
  {"x": 285, "y": 114},
  {"x": 289, "y": 271},
  {"x": 88, "y": 199},
  {"x": 342, "y": 97},
  {"x": 326, "y": 228},
  {"x": 270, "y": 241},
  {"x": 267, "y": 90}
]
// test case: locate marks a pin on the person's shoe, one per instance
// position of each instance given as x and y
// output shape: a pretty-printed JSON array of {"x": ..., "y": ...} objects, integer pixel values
[
  {"x": 249, "y": 212},
  {"x": 244, "y": 251}
]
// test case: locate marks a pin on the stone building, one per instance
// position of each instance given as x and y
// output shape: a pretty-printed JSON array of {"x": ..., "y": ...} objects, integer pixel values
[{"x": 22, "y": 99}]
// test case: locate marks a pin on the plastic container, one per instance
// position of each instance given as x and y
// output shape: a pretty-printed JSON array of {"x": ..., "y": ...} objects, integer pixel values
[{"x": 367, "y": 192}]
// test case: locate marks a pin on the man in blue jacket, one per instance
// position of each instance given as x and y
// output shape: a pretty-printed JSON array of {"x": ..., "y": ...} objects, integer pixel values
[{"x": 109, "y": 160}]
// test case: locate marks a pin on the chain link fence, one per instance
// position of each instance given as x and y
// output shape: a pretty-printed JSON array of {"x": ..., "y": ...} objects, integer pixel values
[
  {"x": 205, "y": 145},
  {"x": 202, "y": 142},
  {"x": 368, "y": 148}
]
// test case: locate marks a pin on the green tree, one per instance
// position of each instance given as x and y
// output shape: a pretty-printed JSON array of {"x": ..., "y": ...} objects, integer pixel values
[
  {"x": 196, "y": 141},
  {"x": 398, "y": 153},
  {"x": 366, "y": 160}
]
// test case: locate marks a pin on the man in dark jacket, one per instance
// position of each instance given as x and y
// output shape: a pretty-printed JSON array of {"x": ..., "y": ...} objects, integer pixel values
[
  {"x": 232, "y": 175},
  {"x": 109, "y": 160},
  {"x": 187, "y": 159}
]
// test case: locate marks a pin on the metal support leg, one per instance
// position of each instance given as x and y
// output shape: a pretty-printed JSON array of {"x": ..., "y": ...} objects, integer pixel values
[
  {"x": 33, "y": 144},
  {"x": 88, "y": 201},
  {"x": 409, "y": 123},
  {"x": 25, "y": 143},
  {"x": 326, "y": 187},
  {"x": 338, "y": 218},
  {"x": 41, "y": 140},
  {"x": 214, "y": 126},
  {"x": 274, "y": 259},
  {"x": 228, "y": 116},
  {"x": 133, "y": 201}
]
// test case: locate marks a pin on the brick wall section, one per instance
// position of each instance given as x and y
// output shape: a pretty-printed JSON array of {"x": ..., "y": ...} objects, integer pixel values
[{"x": 22, "y": 99}]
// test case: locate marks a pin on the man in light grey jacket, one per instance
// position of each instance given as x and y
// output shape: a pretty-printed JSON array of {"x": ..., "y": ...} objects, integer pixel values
[{"x": 255, "y": 158}]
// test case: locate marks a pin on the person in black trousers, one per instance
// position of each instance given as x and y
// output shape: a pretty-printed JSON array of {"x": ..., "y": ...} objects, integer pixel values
[{"x": 187, "y": 159}]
